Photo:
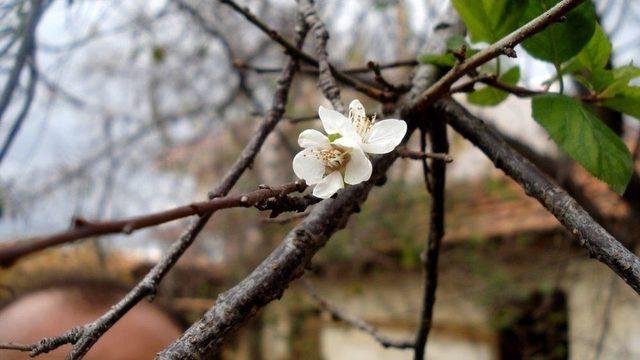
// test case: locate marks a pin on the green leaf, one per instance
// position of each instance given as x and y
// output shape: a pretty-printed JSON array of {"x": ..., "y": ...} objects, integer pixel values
[
  {"x": 490, "y": 96},
  {"x": 443, "y": 60},
  {"x": 560, "y": 41},
  {"x": 585, "y": 138},
  {"x": 454, "y": 43},
  {"x": 490, "y": 20},
  {"x": 624, "y": 104},
  {"x": 610, "y": 83},
  {"x": 614, "y": 89},
  {"x": 594, "y": 56}
]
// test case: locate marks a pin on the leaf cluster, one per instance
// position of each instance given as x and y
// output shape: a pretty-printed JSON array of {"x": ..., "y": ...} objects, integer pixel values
[{"x": 578, "y": 48}]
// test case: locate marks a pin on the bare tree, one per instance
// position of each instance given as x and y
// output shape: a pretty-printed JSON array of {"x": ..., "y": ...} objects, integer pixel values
[{"x": 450, "y": 64}]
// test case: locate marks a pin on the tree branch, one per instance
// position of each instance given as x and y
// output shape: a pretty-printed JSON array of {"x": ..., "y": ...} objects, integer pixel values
[
  {"x": 26, "y": 106},
  {"x": 421, "y": 155},
  {"x": 311, "y": 71},
  {"x": 11, "y": 251},
  {"x": 439, "y": 144},
  {"x": 368, "y": 90},
  {"x": 598, "y": 242},
  {"x": 326, "y": 81},
  {"x": 502, "y": 47},
  {"x": 287, "y": 262},
  {"x": 87, "y": 335},
  {"x": 269, "y": 280},
  {"x": 24, "y": 52},
  {"x": 356, "y": 322}
]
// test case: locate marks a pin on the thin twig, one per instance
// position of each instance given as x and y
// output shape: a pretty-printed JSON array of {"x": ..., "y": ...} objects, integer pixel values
[
  {"x": 18, "y": 347},
  {"x": 11, "y": 251},
  {"x": 26, "y": 106},
  {"x": 518, "y": 91},
  {"x": 368, "y": 90},
  {"x": 425, "y": 164},
  {"x": 606, "y": 318},
  {"x": 470, "y": 84},
  {"x": 421, "y": 155},
  {"x": 492, "y": 81},
  {"x": 379, "y": 78},
  {"x": 24, "y": 52},
  {"x": 439, "y": 144},
  {"x": 356, "y": 322},
  {"x": 314, "y": 71},
  {"x": 286, "y": 220}
]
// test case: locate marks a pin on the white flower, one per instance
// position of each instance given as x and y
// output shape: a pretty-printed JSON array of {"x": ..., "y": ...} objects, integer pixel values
[{"x": 330, "y": 161}]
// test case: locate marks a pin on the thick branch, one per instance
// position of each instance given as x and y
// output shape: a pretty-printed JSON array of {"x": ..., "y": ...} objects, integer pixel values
[
  {"x": 600, "y": 244},
  {"x": 288, "y": 261},
  {"x": 270, "y": 279},
  {"x": 440, "y": 144},
  {"x": 326, "y": 80}
]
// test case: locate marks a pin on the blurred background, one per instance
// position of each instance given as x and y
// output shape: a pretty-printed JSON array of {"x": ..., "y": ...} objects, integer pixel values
[{"x": 128, "y": 107}]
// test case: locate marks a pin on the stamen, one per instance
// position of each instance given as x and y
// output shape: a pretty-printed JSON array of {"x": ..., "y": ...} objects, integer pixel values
[{"x": 333, "y": 159}]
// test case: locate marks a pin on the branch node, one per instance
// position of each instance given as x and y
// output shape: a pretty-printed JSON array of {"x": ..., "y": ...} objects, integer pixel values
[
  {"x": 197, "y": 209},
  {"x": 244, "y": 201},
  {"x": 301, "y": 185},
  {"x": 461, "y": 53},
  {"x": 79, "y": 222},
  {"x": 509, "y": 51},
  {"x": 381, "y": 181},
  {"x": 128, "y": 228}
]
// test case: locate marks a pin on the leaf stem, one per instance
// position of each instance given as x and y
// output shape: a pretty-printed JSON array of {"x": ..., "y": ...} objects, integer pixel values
[{"x": 560, "y": 78}]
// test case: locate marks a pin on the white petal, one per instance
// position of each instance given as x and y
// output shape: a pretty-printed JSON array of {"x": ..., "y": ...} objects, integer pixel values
[
  {"x": 384, "y": 136},
  {"x": 332, "y": 121},
  {"x": 312, "y": 138},
  {"x": 329, "y": 185},
  {"x": 307, "y": 166},
  {"x": 358, "y": 168},
  {"x": 348, "y": 142},
  {"x": 357, "y": 109}
]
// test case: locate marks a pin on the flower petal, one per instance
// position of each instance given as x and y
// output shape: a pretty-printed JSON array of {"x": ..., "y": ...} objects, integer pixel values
[
  {"x": 307, "y": 166},
  {"x": 312, "y": 138},
  {"x": 332, "y": 121},
  {"x": 348, "y": 142},
  {"x": 358, "y": 168},
  {"x": 356, "y": 109},
  {"x": 384, "y": 136},
  {"x": 329, "y": 185}
]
